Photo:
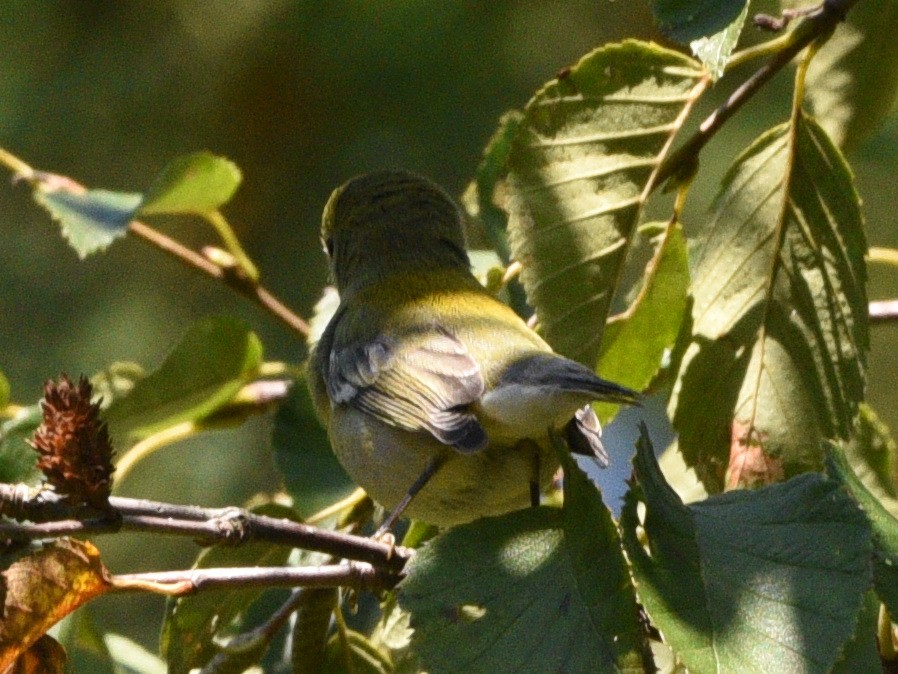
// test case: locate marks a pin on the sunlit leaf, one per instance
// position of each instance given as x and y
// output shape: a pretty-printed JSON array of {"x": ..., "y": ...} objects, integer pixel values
[
  {"x": 779, "y": 335},
  {"x": 193, "y": 624},
  {"x": 491, "y": 595},
  {"x": 90, "y": 219},
  {"x": 580, "y": 170},
  {"x": 749, "y": 581},
  {"x": 688, "y": 20},
  {"x": 635, "y": 344},
  {"x": 852, "y": 83},
  {"x": 714, "y": 50},
  {"x": 205, "y": 370},
  {"x": 885, "y": 528},
  {"x": 42, "y": 588},
  {"x": 195, "y": 183}
]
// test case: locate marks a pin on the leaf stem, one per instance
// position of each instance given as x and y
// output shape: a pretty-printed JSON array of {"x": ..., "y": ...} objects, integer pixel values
[
  {"x": 815, "y": 25},
  {"x": 180, "y": 583},
  {"x": 221, "y": 225},
  {"x": 148, "y": 446},
  {"x": 887, "y": 256}
]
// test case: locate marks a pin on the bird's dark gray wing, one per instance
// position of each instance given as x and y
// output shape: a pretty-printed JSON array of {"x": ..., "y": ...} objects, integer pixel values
[{"x": 425, "y": 380}]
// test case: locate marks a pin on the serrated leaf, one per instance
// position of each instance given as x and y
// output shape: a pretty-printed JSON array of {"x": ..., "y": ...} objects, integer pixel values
[
  {"x": 579, "y": 175},
  {"x": 42, "y": 588},
  {"x": 18, "y": 461},
  {"x": 779, "y": 335},
  {"x": 90, "y": 219},
  {"x": 852, "y": 83},
  {"x": 750, "y": 581},
  {"x": 216, "y": 357},
  {"x": 861, "y": 653},
  {"x": 714, "y": 50},
  {"x": 480, "y": 199},
  {"x": 873, "y": 456},
  {"x": 537, "y": 590},
  {"x": 193, "y": 623},
  {"x": 634, "y": 345},
  {"x": 688, "y": 20},
  {"x": 312, "y": 475},
  {"x": 885, "y": 528},
  {"x": 195, "y": 183}
]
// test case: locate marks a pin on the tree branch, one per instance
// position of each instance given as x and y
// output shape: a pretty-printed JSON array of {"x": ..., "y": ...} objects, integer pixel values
[
  {"x": 52, "y": 516},
  {"x": 883, "y": 311},
  {"x": 816, "y": 24},
  {"x": 180, "y": 583}
]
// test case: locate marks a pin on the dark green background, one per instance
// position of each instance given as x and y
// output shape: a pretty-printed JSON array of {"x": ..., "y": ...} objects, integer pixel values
[{"x": 301, "y": 95}]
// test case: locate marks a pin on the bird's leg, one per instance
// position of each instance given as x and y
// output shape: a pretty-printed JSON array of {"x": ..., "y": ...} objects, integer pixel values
[
  {"x": 530, "y": 445},
  {"x": 429, "y": 471}
]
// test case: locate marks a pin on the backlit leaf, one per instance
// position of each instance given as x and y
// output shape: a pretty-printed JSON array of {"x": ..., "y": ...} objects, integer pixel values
[
  {"x": 580, "y": 171},
  {"x": 688, "y": 20},
  {"x": 205, "y": 370},
  {"x": 195, "y": 183},
  {"x": 779, "y": 337}
]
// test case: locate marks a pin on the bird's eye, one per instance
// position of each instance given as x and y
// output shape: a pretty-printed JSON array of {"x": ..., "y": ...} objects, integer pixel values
[{"x": 329, "y": 246}]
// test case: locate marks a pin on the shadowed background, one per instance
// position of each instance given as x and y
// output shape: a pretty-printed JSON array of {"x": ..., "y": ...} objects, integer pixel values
[{"x": 301, "y": 96}]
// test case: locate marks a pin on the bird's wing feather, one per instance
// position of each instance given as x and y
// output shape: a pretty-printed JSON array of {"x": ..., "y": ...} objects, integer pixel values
[{"x": 424, "y": 381}]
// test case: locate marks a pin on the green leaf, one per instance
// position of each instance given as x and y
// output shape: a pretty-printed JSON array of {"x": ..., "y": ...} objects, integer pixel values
[
  {"x": 18, "y": 461},
  {"x": 634, "y": 346},
  {"x": 688, "y": 20},
  {"x": 885, "y": 527},
  {"x": 480, "y": 199},
  {"x": 779, "y": 335},
  {"x": 195, "y": 183},
  {"x": 861, "y": 653},
  {"x": 852, "y": 83},
  {"x": 206, "y": 369},
  {"x": 537, "y": 590},
  {"x": 714, "y": 50},
  {"x": 750, "y": 581},
  {"x": 580, "y": 171},
  {"x": 312, "y": 475},
  {"x": 91, "y": 220},
  {"x": 311, "y": 627},
  {"x": 873, "y": 456},
  {"x": 194, "y": 623}
]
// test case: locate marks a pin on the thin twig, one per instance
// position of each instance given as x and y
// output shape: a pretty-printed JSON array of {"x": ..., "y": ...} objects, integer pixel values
[
  {"x": 817, "y": 23},
  {"x": 180, "y": 583},
  {"x": 191, "y": 258},
  {"x": 883, "y": 311},
  {"x": 51, "y": 516}
]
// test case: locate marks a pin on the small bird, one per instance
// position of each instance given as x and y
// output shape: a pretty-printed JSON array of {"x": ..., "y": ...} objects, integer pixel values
[{"x": 437, "y": 397}]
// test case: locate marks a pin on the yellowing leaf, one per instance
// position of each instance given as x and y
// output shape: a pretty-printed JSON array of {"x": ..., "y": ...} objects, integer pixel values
[{"x": 43, "y": 588}]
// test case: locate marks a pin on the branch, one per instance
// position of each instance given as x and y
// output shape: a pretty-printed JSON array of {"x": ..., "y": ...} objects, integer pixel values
[
  {"x": 883, "y": 311},
  {"x": 231, "y": 278},
  {"x": 817, "y": 23},
  {"x": 52, "y": 516},
  {"x": 180, "y": 583}
]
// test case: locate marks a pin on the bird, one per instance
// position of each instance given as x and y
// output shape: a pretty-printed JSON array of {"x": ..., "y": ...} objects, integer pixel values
[{"x": 438, "y": 399}]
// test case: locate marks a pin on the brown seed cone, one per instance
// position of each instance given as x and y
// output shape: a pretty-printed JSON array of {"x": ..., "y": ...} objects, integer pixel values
[{"x": 74, "y": 447}]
